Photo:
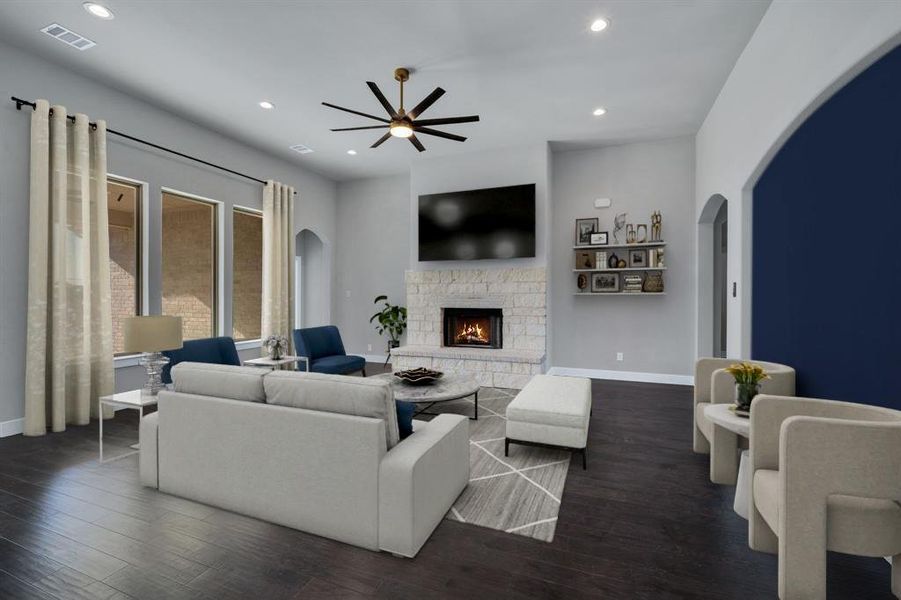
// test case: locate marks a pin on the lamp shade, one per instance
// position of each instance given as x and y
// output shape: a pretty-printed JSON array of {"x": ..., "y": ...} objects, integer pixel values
[{"x": 152, "y": 333}]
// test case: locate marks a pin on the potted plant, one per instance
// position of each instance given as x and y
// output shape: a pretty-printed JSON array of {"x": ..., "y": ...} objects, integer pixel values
[
  {"x": 276, "y": 345},
  {"x": 747, "y": 383},
  {"x": 391, "y": 320}
]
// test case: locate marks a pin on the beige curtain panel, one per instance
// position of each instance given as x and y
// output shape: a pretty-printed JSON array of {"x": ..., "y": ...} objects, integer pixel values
[
  {"x": 68, "y": 354},
  {"x": 278, "y": 260}
]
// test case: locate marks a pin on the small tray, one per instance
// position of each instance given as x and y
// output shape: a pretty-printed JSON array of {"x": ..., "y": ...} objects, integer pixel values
[
  {"x": 740, "y": 413},
  {"x": 420, "y": 376}
]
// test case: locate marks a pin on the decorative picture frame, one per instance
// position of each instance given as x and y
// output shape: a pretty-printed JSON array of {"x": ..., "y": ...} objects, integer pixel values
[
  {"x": 605, "y": 283},
  {"x": 584, "y": 229},
  {"x": 585, "y": 260},
  {"x": 638, "y": 259},
  {"x": 599, "y": 238}
]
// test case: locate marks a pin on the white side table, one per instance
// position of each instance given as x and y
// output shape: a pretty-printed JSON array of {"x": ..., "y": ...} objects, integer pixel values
[
  {"x": 277, "y": 364},
  {"x": 722, "y": 416},
  {"x": 134, "y": 399}
]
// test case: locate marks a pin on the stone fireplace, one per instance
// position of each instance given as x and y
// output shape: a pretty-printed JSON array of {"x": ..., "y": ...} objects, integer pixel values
[
  {"x": 517, "y": 297},
  {"x": 473, "y": 328}
]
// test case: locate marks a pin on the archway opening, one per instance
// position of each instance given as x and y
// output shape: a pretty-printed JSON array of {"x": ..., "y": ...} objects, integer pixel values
[
  {"x": 713, "y": 284},
  {"x": 311, "y": 293}
]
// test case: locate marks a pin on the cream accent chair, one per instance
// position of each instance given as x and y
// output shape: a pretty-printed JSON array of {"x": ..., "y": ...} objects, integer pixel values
[
  {"x": 713, "y": 385},
  {"x": 826, "y": 476}
]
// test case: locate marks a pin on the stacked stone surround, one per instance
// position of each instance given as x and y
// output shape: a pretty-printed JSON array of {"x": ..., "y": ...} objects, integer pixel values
[{"x": 520, "y": 293}]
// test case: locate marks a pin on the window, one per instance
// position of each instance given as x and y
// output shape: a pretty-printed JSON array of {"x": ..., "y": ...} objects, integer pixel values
[
  {"x": 189, "y": 264},
  {"x": 124, "y": 217},
  {"x": 247, "y": 283}
]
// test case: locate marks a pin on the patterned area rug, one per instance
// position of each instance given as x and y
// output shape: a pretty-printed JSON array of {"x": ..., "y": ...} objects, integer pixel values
[{"x": 519, "y": 493}]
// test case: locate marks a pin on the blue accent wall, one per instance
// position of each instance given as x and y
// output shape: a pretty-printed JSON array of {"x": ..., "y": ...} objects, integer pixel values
[{"x": 827, "y": 245}]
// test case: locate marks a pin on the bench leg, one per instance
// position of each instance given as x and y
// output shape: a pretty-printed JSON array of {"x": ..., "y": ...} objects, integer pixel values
[
  {"x": 585, "y": 459},
  {"x": 506, "y": 446}
]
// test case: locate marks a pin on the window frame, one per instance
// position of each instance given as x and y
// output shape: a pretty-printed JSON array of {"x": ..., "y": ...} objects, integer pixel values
[
  {"x": 251, "y": 342},
  {"x": 142, "y": 263},
  {"x": 218, "y": 328}
]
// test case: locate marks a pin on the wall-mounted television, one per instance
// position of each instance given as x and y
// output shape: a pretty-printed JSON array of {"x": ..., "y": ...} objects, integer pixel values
[{"x": 478, "y": 224}]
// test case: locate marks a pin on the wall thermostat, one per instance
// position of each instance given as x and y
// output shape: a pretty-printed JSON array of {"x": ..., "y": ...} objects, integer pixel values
[{"x": 602, "y": 203}]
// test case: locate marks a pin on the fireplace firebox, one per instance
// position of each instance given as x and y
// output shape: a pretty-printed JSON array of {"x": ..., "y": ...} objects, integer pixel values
[{"x": 473, "y": 327}]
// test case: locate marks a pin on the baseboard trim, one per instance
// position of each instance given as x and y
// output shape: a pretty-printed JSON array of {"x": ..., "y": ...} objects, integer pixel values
[
  {"x": 624, "y": 375},
  {"x": 13, "y": 427}
]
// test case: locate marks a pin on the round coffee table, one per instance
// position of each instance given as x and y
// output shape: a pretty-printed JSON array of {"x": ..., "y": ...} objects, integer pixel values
[{"x": 452, "y": 386}]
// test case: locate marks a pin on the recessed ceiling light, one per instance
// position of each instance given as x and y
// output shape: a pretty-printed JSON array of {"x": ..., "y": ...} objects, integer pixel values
[
  {"x": 98, "y": 10},
  {"x": 352, "y": 152},
  {"x": 599, "y": 25},
  {"x": 267, "y": 105},
  {"x": 599, "y": 111}
]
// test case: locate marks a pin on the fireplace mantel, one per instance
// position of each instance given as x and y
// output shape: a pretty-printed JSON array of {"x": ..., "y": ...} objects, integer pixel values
[{"x": 521, "y": 293}]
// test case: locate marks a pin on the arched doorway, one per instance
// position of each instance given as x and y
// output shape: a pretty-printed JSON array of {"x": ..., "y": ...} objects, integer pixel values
[
  {"x": 312, "y": 291},
  {"x": 713, "y": 284}
]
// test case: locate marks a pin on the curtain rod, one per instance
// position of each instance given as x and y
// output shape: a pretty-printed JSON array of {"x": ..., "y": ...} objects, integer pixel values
[{"x": 20, "y": 103}]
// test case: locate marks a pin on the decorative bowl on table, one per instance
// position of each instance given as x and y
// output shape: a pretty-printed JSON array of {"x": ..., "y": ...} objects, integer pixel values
[{"x": 420, "y": 376}]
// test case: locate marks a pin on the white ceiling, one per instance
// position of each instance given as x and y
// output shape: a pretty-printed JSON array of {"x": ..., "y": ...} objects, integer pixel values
[{"x": 532, "y": 70}]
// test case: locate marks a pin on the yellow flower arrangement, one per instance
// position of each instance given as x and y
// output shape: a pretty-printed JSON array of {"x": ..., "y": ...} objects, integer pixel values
[{"x": 747, "y": 373}]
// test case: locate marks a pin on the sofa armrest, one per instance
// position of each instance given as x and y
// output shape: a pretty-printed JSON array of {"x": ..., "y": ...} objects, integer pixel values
[
  {"x": 148, "y": 459},
  {"x": 419, "y": 480}
]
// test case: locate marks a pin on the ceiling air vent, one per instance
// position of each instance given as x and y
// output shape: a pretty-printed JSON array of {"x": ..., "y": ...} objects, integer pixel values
[
  {"x": 301, "y": 149},
  {"x": 67, "y": 36}
]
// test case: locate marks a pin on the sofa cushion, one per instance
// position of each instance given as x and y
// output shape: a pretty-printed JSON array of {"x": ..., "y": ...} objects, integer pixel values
[
  {"x": 338, "y": 365},
  {"x": 220, "y": 381},
  {"x": 335, "y": 393},
  {"x": 553, "y": 400}
]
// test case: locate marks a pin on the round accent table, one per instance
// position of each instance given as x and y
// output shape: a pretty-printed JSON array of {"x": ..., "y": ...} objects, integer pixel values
[
  {"x": 722, "y": 416},
  {"x": 452, "y": 386}
]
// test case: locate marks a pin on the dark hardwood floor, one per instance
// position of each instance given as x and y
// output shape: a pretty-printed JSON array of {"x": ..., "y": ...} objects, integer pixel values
[{"x": 642, "y": 522}]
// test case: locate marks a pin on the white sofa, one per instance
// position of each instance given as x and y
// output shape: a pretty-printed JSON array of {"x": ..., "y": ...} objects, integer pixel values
[{"x": 319, "y": 453}]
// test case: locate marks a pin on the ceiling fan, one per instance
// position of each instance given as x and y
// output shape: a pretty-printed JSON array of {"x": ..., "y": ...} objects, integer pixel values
[{"x": 404, "y": 124}]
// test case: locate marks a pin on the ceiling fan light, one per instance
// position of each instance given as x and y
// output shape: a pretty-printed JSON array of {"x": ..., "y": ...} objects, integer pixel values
[{"x": 401, "y": 130}]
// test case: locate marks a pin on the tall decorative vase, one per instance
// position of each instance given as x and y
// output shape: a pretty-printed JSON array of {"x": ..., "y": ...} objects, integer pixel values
[
  {"x": 744, "y": 394},
  {"x": 275, "y": 352}
]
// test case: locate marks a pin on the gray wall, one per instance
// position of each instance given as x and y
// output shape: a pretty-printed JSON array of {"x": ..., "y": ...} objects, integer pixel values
[
  {"x": 28, "y": 77},
  {"x": 474, "y": 170},
  {"x": 371, "y": 260},
  {"x": 655, "y": 334}
]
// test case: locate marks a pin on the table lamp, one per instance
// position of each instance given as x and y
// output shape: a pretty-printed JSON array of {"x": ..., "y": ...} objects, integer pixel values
[{"x": 151, "y": 335}]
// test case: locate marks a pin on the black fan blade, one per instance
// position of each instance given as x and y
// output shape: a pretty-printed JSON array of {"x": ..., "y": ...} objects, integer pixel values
[
  {"x": 356, "y": 112},
  {"x": 358, "y": 128},
  {"x": 381, "y": 140},
  {"x": 448, "y": 120},
  {"x": 426, "y": 102},
  {"x": 441, "y": 134},
  {"x": 381, "y": 98},
  {"x": 415, "y": 141}
]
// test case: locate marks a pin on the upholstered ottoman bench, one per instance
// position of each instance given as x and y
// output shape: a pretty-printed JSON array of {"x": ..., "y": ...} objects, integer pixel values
[{"x": 552, "y": 412}]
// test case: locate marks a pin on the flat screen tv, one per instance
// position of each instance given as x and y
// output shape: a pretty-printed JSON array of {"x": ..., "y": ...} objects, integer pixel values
[{"x": 478, "y": 224}]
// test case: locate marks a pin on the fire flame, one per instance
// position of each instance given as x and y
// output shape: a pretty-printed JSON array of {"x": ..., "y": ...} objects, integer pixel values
[{"x": 472, "y": 334}]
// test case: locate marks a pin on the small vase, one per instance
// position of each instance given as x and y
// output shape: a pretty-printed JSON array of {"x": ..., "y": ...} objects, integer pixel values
[
  {"x": 744, "y": 394},
  {"x": 275, "y": 352}
]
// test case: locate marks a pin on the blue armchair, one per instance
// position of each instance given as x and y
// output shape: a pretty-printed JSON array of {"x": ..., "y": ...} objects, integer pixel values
[
  {"x": 325, "y": 351},
  {"x": 217, "y": 350}
]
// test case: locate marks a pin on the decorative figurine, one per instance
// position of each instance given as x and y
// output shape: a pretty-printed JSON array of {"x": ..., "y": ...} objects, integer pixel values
[
  {"x": 582, "y": 281},
  {"x": 656, "y": 226},
  {"x": 619, "y": 223},
  {"x": 641, "y": 237}
]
